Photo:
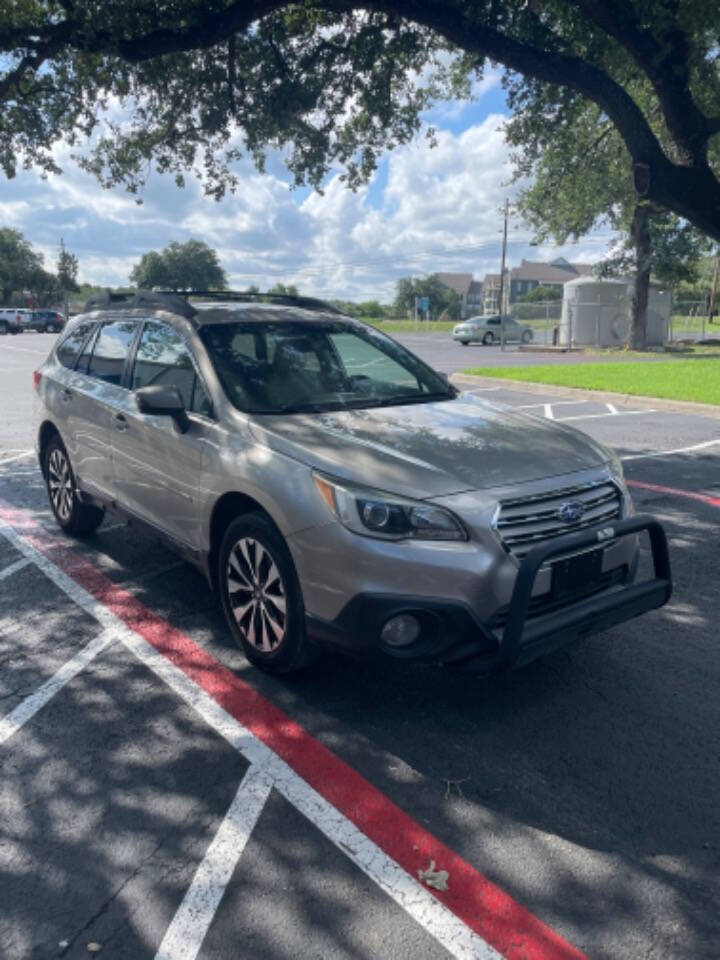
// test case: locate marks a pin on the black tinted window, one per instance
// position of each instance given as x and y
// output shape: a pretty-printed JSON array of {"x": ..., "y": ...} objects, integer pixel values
[
  {"x": 110, "y": 350},
  {"x": 69, "y": 350},
  {"x": 163, "y": 358}
]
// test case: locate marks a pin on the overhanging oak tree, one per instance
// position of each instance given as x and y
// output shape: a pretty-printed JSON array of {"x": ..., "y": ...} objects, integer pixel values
[
  {"x": 581, "y": 179},
  {"x": 339, "y": 81}
]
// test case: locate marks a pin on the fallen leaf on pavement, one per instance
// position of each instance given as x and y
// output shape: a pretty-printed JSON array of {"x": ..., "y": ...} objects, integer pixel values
[{"x": 434, "y": 878}]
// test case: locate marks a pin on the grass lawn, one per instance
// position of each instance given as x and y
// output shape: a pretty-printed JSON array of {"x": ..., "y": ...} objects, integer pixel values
[
  {"x": 697, "y": 380},
  {"x": 407, "y": 326}
]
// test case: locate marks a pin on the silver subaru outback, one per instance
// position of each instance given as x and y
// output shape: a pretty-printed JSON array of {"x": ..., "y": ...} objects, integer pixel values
[{"x": 333, "y": 488}]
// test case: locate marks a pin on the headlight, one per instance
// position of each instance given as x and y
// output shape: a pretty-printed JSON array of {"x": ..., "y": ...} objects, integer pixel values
[{"x": 376, "y": 514}]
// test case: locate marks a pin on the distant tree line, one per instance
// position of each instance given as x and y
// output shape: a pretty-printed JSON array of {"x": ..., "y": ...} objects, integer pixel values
[
  {"x": 444, "y": 302},
  {"x": 23, "y": 278}
]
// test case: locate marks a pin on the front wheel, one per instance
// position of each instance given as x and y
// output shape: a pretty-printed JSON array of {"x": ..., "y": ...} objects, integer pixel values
[
  {"x": 3, "y": 327},
  {"x": 261, "y": 597},
  {"x": 464, "y": 342},
  {"x": 74, "y": 516},
  {"x": 527, "y": 336},
  {"x": 488, "y": 339},
  {"x": 50, "y": 328}
]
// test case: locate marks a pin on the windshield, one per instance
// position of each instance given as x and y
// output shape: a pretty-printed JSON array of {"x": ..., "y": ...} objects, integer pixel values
[{"x": 296, "y": 367}]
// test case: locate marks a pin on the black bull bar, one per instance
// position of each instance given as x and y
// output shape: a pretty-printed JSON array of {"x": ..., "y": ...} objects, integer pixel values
[{"x": 524, "y": 639}]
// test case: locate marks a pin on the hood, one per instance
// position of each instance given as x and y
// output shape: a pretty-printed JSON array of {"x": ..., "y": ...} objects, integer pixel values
[{"x": 433, "y": 449}]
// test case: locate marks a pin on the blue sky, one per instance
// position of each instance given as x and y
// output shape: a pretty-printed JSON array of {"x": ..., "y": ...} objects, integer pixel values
[{"x": 425, "y": 210}]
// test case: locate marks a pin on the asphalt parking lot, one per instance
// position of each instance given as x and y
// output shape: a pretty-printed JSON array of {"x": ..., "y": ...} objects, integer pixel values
[{"x": 160, "y": 798}]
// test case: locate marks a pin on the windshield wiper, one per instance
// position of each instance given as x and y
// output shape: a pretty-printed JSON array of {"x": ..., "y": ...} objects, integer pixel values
[{"x": 404, "y": 398}]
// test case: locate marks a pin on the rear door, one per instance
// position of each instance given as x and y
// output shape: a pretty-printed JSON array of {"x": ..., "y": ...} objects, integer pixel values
[
  {"x": 157, "y": 468},
  {"x": 96, "y": 395}
]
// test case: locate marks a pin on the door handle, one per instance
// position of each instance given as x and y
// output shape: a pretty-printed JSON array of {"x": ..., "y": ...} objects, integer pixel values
[{"x": 120, "y": 421}]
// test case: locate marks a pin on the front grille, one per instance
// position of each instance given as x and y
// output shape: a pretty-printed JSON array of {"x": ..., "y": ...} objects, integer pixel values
[{"x": 526, "y": 522}]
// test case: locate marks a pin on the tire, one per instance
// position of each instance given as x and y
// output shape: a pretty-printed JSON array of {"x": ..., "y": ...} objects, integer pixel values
[
  {"x": 464, "y": 342},
  {"x": 261, "y": 597},
  {"x": 527, "y": 336},
  {"x": 73, "y": 516},
  {"x": 488, "y": 339},
  {"x": 50, "y": 328},
  {"x": 3, "y": 327}
]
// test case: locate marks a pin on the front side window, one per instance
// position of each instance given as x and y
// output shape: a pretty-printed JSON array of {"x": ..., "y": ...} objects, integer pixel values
[
  {"x": 68, "y": 350},
  {"x": 316, "y": 366},
  {"x": 162, "y": 358},
  {"x": 107, "y": 361}
]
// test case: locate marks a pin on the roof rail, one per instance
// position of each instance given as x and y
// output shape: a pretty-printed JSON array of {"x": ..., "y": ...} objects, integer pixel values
[
  {"x": 141, "y": 298},
  {"x": 308, "y": 303}
]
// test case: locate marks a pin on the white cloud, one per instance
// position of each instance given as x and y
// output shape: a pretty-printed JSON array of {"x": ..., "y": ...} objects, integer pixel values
[{"x": 428, "y": 210}]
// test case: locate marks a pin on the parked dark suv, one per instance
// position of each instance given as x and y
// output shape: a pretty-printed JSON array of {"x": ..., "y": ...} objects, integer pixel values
[{"x": 44, "y": 321}]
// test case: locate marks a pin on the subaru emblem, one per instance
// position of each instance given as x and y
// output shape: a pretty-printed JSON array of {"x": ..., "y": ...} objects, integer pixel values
[{"x": 571, "y": 511}]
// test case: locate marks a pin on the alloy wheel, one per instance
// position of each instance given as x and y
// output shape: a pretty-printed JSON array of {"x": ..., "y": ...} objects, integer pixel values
[
  {"x": 60, "y": 484},
  {"x": 257, "y": 594}
]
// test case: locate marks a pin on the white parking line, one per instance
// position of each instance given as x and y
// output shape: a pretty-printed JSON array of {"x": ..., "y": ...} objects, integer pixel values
[
  {"x": 548, "y": 411},
  {"x": 39, "y": 353},
  {"x": 27, "y": 709},
  {"x": 613, "y": 409},
  {"x": 188, "y": 928},
  {"x": 14, "y": 568},
  {"x": 555, "y": 403},
  {"x": 670, "y": 453},
  {"x": 599, "y": 416},
  {"x": 438, "y": 920},
  {"x": 18, "y": 456}
]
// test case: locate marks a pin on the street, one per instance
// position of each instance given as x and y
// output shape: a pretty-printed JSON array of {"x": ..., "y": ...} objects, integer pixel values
[{"x": 161, "y": 798}]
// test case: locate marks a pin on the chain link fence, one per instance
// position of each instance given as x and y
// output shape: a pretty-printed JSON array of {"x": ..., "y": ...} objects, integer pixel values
[
  {"x": 690, "y": 321},
  {"x": 543, "y": 318}
]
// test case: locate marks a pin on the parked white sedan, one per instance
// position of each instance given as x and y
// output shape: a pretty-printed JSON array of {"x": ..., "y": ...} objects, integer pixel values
[{"x": 488, "y": 330}]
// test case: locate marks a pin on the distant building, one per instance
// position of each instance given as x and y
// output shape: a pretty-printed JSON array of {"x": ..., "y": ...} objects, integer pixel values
[
  {"x": 530, "y": 274},
  {"x": 470, "y": 291},
  {"x": 474, "y": 300}
]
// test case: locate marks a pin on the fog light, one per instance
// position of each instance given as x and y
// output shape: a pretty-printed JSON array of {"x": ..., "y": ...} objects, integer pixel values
[{"x": 401, "y": 631}]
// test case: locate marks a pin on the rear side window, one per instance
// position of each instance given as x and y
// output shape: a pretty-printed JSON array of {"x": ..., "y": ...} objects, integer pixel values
[
  {"x": 163, "y": 358},
  {"x": 69, "y": 350},
  {"x": 111, "y": 348}
]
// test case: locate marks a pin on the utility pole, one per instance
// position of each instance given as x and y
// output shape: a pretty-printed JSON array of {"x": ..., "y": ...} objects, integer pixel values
[{"x": 502, "y": 275}]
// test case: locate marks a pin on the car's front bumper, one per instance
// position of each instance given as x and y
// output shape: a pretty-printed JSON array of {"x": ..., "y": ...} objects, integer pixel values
[{"x": 529, "y": 626}]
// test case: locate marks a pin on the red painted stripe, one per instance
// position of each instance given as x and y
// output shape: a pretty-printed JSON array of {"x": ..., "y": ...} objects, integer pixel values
[
  {"x": 676, "y": 492},
  {"x": 508, "y": 927}
]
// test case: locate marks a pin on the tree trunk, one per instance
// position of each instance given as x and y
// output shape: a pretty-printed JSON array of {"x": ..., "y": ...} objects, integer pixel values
[
  {"x": 712, "y": 306},
  {"x": 640, "y": 233}
]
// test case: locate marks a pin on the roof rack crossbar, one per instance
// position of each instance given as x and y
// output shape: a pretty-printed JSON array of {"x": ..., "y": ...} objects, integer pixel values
[{"x": 309, "y": 303}]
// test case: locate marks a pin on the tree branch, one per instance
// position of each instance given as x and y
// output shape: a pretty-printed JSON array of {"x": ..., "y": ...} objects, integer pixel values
[
  {"x": 689, "y": 186},
  {"x": 663, "y": 55}
]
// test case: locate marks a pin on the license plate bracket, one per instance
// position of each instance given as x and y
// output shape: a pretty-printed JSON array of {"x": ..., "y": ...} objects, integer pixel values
[{"x": 576, "y": 574}]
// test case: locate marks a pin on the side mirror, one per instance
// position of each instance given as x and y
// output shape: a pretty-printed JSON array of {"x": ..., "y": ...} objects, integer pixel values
[{"x": 163, "y": 401}]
